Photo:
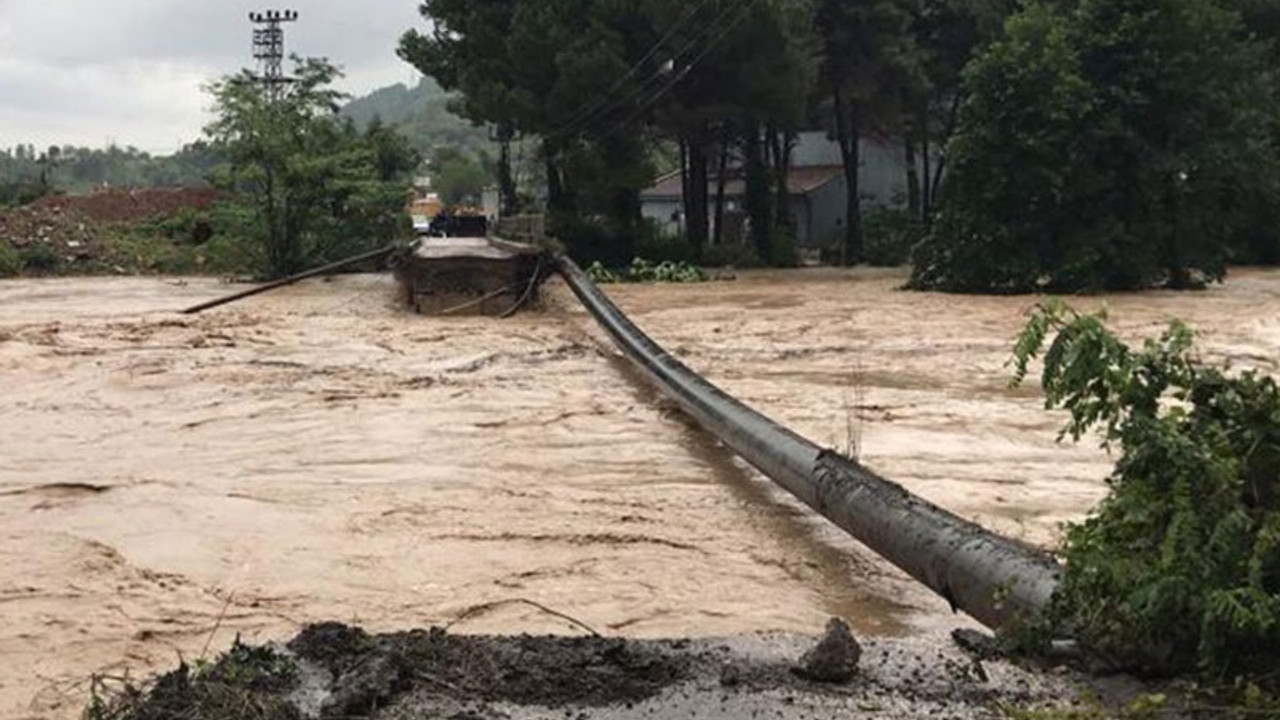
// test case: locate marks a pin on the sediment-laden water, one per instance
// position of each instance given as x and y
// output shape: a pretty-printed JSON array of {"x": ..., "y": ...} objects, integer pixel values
[{"x": 317, "y": 453}]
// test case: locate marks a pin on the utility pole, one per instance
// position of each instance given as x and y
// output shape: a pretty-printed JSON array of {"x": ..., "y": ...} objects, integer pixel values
[{"x": 268, "y": 49}]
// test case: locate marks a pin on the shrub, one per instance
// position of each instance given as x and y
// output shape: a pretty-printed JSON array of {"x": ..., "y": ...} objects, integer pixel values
[
  {"x": 230, "y": 255},
  {"x": 644, "y": 271},
  {"x": 40, "y": 258},
  {"x": 889, "y": 234},
  {"x": 736, "y": 255},
  {"x": 588, "y": 240},
  {"x": 652, "y": 243},
  {"x": 1179, "y": 568},
  {"x": 10, "y": 262},
  {"x": 782, "y": 249}
]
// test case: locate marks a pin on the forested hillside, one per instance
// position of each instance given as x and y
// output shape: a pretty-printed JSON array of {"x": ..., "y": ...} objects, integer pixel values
[
  {"x": 27, "y": 172},
  {"x": 421, "y": 114}
]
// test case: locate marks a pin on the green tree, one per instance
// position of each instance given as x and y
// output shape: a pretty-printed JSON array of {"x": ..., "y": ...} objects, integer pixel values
[
  {"x": 946, "y": 34},
  {"x": 1102, "y": 145},
  {"x": 456, "y": 177},
  {"x": 319, "y": 186},
  {"x": 605, "y": 83}
]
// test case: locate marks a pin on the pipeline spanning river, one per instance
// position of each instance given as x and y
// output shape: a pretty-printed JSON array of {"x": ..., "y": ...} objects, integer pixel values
[{"x": 319, "y": 453}]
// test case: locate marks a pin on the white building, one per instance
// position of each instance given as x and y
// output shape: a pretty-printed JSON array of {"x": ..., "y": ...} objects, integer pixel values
[{"x": 816, "y": 185}]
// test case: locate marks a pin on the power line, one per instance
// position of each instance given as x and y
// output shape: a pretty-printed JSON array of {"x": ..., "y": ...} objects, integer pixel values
[
  {"x": 657, "y": 78},
  {"x": 591, "y": 110},
  {"x": 647, "y": 104}
]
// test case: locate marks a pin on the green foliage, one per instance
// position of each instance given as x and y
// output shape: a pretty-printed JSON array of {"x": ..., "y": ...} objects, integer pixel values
[
  {"x": 735, "y": 255},
  {"x": 26, "y": 174},
  {"x": 423, "y": 115},
  {"x": 644, "y": 271},
  {"x": 602, "y": 83},
  {"x": 321, "y": 189},
  {"x": 602, "y": 275},
  {"x": 39, "y": 259},
  {"x": 458, "y": 178},
  {"x": 589, "y": 240},
  {"x": 256, "y": 668},
  {"x": 659, "y": 246},
  {"x": 1103, "y": 144},
  {"x": 10, "y": 261},
  {"x": 890, "y": 234},
  {"x": 246, "y": 682},
  {"x": 1179, "y": 568},
  {"x": 782, "y": 248}
]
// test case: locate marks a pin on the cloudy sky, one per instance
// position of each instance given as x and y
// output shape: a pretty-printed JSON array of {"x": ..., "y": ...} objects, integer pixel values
[{"x": 91, "y": 72}]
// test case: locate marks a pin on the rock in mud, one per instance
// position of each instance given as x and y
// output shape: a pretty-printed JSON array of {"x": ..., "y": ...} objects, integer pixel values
[
  {"x": 979, "y": 645},
  {"x": 330, "y": 644},
  {"x": 730, "y": 674},
  {"x": 835, "y": 658}
]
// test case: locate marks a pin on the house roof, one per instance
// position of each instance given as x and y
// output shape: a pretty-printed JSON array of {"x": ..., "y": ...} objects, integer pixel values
[{"x": 800, "y": 181}]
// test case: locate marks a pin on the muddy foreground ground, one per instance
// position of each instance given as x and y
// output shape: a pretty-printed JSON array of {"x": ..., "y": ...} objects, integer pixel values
[{"x": 335, "y": 671}]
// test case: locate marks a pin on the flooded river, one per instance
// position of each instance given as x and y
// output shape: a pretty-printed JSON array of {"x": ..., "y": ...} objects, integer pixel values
[{"x": 167, "y": 482}]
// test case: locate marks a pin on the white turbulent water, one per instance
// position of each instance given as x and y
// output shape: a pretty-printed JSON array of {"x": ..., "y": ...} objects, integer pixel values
[{"x": 319, "y": 454}]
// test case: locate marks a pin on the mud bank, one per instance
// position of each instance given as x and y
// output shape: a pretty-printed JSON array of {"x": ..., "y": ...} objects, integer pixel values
[{"x": 336, "y": 671}]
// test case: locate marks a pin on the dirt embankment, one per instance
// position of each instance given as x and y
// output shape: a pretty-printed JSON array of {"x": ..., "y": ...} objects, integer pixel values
[
  {"x": 336, "y": 671},
  {"x": 68, "y": 232}
]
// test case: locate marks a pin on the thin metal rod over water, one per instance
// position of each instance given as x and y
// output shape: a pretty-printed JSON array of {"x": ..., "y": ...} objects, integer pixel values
[
  {"x": 373, "y": 255},
  {"x": 991, "y": 578}
]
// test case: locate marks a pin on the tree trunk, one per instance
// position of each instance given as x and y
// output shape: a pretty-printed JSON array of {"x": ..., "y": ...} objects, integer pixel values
[
  {"x": 952, "y": 117},
  {"x": 781, "y": 151},
  {"x": 757, "y": 196},
  {"x": 556, "y": 198},
  {"x": 275, "y": 242},
  {"x": 848, "y": 134},
  {"x": 684, "y": 186},
  {"x": 926, "y": 151},
  {"x": 696, "y": 201},
  {"x": 507, "y": 201},
  {"x": 725, "y": 135},
  {"x": 913, "y": 175}
]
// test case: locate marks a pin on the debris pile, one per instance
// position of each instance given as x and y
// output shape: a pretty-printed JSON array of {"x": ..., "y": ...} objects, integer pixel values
[
  {"x": 49, "y": 235},
  {"x": 66, "y": 232}
]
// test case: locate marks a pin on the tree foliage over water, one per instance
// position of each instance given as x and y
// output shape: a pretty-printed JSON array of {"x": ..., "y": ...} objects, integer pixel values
[{"x": 1179, "y": 569}]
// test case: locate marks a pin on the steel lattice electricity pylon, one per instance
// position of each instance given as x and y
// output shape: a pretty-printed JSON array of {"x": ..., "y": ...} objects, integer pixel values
[{"x": 268, "y": 49}]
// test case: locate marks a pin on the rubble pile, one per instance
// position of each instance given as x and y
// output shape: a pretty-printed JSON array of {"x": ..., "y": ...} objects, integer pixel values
[{"x": 67, "y": 231}]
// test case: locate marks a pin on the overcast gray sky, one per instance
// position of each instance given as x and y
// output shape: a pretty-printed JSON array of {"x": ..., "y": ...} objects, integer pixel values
[{"x": 90, "y": 72}]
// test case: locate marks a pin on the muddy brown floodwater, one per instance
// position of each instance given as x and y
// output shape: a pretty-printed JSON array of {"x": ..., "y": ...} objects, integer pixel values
[{"x": 319, "y": 454}]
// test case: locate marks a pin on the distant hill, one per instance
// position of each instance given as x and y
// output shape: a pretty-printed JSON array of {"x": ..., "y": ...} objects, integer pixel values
[{"x": 422, "y": 114}]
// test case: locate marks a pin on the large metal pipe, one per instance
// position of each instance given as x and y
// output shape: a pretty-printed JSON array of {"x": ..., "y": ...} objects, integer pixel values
[{"x": 992, "y": 578}]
